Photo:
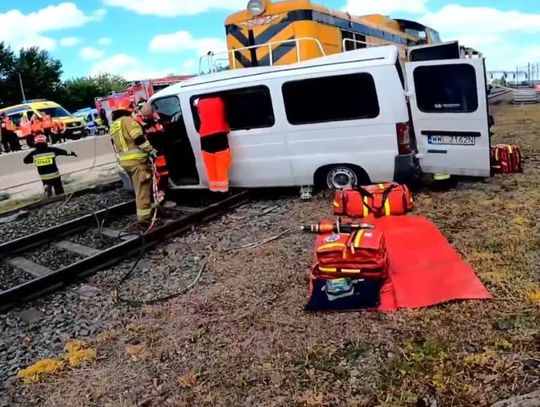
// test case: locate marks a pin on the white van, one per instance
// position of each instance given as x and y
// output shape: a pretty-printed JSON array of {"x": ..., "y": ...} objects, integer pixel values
[{"x": 335, "y": 120}]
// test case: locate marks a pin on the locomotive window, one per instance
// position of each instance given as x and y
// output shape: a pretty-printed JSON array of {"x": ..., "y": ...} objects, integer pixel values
[
  {"x": 168, "y": 108},
  {"x": 446, "y": 88},
  {"x": 331, "y": 98},
  {"x": 245, "y": 108}
]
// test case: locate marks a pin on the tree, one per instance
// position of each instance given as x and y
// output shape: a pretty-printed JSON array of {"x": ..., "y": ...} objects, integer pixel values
[
  {"x": 80, "y": 92},
  {"x": 39, "y": 72},
  {"x": 7, "y": 67}
]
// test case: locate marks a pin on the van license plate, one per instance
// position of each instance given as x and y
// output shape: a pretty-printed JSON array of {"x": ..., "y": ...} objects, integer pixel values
[
  {"x": 77, "y": 132},
  {"x": 452, "y": 140}
]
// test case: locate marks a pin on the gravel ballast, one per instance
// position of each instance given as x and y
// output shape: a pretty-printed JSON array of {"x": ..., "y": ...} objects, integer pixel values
[{"x": 56, "y": 213}]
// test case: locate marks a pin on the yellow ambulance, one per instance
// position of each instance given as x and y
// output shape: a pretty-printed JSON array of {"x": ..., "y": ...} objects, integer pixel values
[{"x": 42, "y": 107}]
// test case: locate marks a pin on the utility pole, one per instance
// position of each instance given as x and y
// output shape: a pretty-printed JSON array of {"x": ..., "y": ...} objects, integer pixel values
[{"x": 22, "y": 87}]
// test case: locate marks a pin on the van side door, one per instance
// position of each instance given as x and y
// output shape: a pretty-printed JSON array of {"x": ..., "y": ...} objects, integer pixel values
[{"x": 449, "y": 109}]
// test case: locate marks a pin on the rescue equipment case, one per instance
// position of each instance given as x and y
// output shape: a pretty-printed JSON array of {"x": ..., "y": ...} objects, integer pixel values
[
  {"x": 360, "y": 254},
  {"x": 506, "y": 159},
  {"x": 385, "y": 199}
]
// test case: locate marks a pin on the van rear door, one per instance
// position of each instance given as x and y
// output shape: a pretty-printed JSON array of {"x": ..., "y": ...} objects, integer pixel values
[{"x": 449, "y": 111}]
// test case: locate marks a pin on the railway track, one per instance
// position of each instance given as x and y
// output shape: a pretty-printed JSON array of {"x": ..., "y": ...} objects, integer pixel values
[
  {"x": 20, "y": 254},
  {"x": 498, "y": 95}
]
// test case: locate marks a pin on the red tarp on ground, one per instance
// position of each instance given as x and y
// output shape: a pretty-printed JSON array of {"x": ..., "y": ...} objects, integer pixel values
[{"x": 424, "y": 269}]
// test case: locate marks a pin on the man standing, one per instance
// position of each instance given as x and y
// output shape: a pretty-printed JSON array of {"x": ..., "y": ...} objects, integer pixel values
[
  {"x": 44, "y": 158},
  {"x": 10, "y": 140},
  {"x": 37, "y": 129},
  {"x": 133, "y": 151},
  {"x": 214, "y": 131},
  {"x": 47, "y": 124},
  {"x": 155, "y": 134}
]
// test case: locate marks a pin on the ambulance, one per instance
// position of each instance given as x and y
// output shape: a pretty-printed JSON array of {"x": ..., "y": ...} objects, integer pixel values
[{"x": 42, "y": 107}]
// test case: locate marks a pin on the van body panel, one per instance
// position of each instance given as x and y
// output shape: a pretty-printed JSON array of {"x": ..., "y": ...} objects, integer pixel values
[
  {"x": 289, "y": 152},
  {"x": 449, "y": 108}
]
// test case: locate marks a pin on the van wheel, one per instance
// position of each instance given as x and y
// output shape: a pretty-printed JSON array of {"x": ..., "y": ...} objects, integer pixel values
[{"x": 341, "y": 177}]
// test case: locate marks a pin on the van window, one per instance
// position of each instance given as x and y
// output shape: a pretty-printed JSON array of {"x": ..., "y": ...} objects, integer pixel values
[
  {"x": 54, "y": 112},
  {"x": 246, "y": 108},
  {"x": 331, "y": 98},
  {"x": 168, "y": 108},
  {"x": 446, "y": 88}
]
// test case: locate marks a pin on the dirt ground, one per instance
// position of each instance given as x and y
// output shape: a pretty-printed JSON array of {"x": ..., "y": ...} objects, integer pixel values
[{"x": 241, "y": 337}]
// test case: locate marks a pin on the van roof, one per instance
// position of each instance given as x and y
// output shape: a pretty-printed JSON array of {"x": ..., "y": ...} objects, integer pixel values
[{"x": 375, "y": 56}]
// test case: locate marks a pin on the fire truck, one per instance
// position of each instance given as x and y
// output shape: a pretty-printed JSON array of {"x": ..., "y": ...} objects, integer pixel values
[{"x": 137, "y": 90}]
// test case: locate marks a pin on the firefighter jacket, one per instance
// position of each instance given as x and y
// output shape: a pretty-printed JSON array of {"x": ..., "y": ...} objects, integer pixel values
[
  {"x": 212, "y": 116},
  {"x": 150, "y": 124},
  {"x": 129, "y": 141},
  {"x": 44, "y": 158}
]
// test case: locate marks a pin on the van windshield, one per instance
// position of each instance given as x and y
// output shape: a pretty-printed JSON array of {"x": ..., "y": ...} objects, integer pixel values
[{"x": 55, "y": 112}]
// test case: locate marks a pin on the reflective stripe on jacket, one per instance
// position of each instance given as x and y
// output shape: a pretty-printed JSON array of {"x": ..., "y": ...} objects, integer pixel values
[{"x": 128, "y": 140}]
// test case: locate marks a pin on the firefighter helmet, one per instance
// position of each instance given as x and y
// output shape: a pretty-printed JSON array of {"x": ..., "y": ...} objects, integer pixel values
[
  {"x": 121, "y": 103},
  {"x": 40, "y": 139}
]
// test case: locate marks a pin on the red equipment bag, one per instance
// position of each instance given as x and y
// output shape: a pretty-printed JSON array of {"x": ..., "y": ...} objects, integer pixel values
[
  {"x": 360, "y": 254},
  {"x": 506, "y": 159},
  {"x": 379, "y": 200}
]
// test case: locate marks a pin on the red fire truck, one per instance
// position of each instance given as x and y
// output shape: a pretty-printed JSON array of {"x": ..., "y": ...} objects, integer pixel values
[{"x": 137, "y": 90}]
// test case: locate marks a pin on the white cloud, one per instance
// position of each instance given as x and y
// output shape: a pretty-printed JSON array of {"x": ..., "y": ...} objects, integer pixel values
[
  {"x": 454, "y": 19},
  {"x": 89, "y": 53},
  {"x": 104, "y": 41},
  {"x": 69, "y": 41},
  {"x": 128, "y": 66},
  {"x": 386, "y": 7},
  {"x": 500, "y": 35},
  {"x": 23, "y": 30},
  {"x": 173, "y": 8},
  {"x": 184, "y": 41},
  {"x": 40, "y": 41}
]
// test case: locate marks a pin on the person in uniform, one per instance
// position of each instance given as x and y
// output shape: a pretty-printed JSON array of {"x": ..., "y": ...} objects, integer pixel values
[
  {"x": 133, "y": 151},
  {"x": 44, "y": 158},
  {"x": 214, "y": 129}
]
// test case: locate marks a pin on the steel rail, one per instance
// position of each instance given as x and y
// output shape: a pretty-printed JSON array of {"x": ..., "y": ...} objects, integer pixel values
[
  {"x": 64, "y": 229},
  {"x": 38, "y": 287}
]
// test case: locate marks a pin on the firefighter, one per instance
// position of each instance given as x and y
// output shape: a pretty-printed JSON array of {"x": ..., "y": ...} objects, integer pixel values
[
  {"x": 213, "y": 131},
  {"x": 155, "y": 134},
  {"x": 133, "y": 151},
  {"x": 44, "y": 158}
]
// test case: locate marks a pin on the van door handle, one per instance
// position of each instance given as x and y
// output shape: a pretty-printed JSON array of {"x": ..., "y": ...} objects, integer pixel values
[{"x": 409, "y": 93}]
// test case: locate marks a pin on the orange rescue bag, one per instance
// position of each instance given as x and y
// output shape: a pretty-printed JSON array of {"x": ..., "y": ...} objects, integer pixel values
[{"x": 379, "y": 200}]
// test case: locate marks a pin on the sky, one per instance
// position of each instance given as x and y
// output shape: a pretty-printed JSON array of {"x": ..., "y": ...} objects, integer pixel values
[{"x": 153, "y": 38}]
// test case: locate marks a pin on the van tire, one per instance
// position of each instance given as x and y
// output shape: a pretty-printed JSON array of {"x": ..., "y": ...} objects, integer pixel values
[{"x": 339, "y": 176}]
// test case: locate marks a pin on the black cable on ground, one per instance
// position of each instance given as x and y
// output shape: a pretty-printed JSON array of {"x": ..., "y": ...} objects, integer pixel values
[{"x": 253, "y": 245}]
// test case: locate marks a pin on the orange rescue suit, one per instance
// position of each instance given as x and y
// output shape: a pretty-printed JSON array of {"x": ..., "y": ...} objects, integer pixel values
[
  {"x": 37, "y": 126},
  {"x": 47, "y": 122},
  {"x": 215, "y": 150}
]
